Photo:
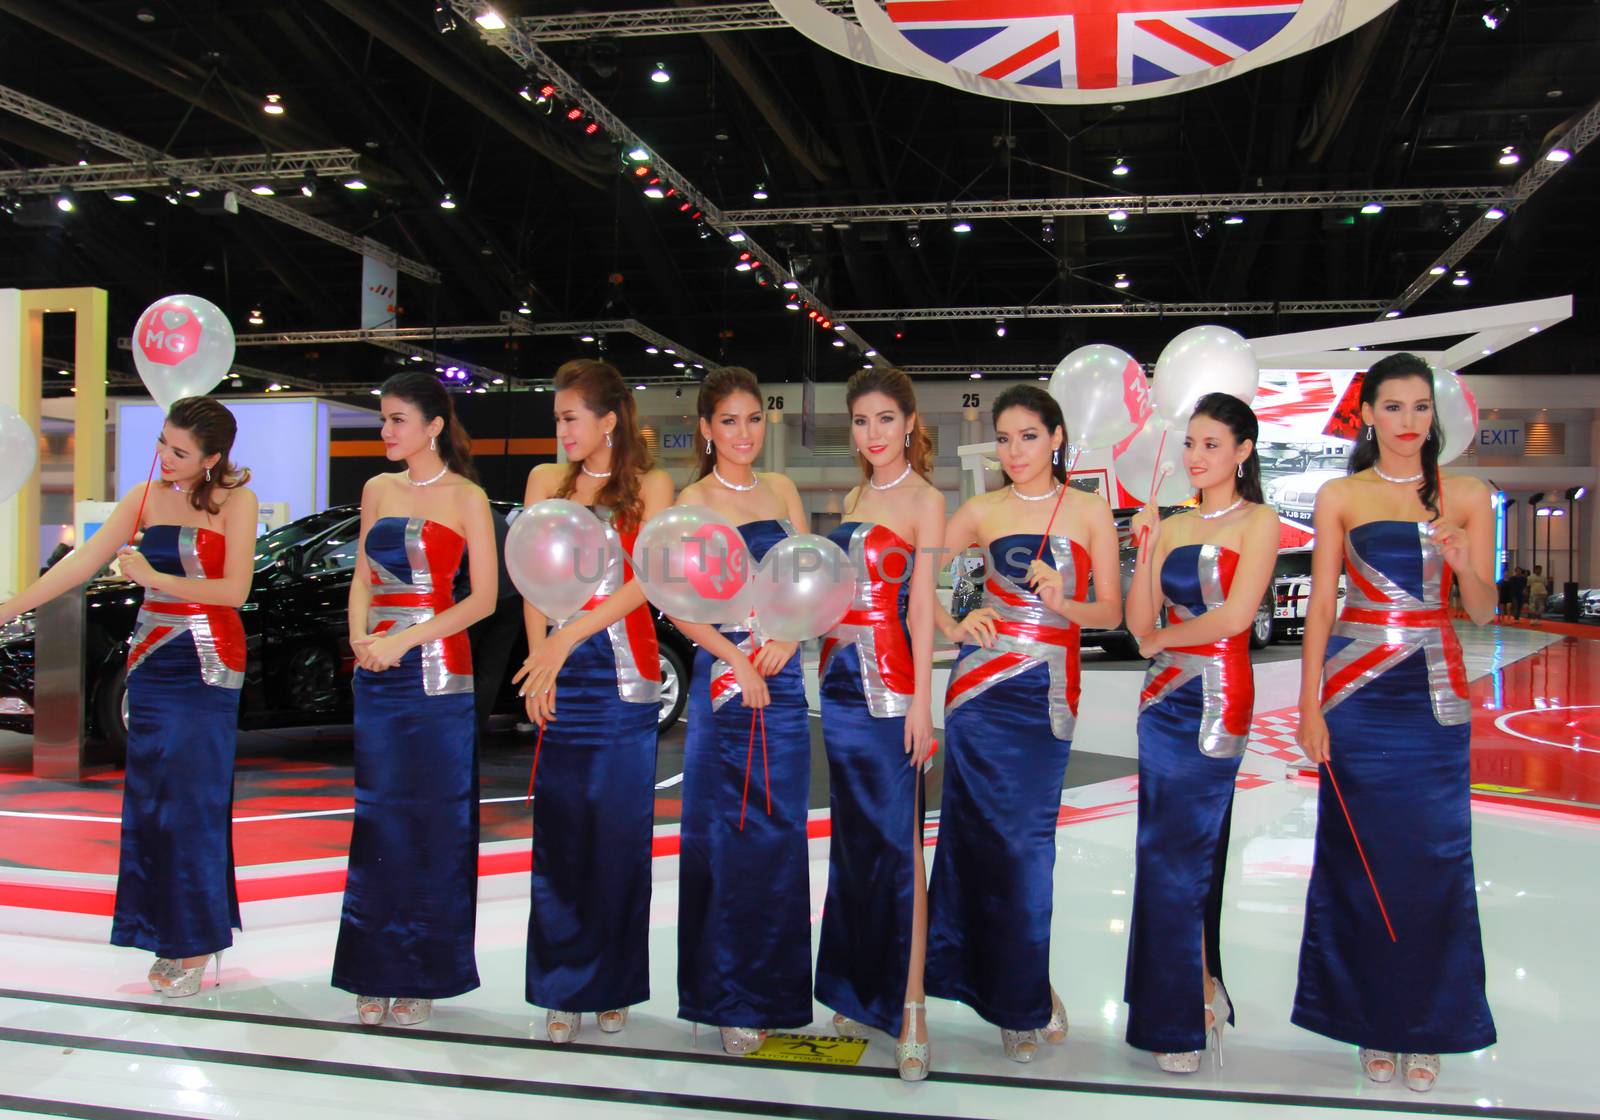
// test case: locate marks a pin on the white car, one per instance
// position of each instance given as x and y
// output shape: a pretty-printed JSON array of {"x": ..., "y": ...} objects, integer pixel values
[
  {"x": 1295, "y": 495},
  {"x": 1291, "y": 591}
]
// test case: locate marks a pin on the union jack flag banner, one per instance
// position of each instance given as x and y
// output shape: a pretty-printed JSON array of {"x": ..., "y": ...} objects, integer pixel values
[{"x": 1077, "y": 51}]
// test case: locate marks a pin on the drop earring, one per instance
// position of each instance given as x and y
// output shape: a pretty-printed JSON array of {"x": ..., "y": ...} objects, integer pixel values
[
  {"x": 608, "y": 439},
  {"x": 1369, "y": 433},
  {"x": 208, "y": 474},
  {"x": 1055, "y": 457},
  {"x": 708, "y": 447},
  {"x": 433, "y": 443},
  {"x": 1240, "y": 472},
  {"x": 908, "y": 439}
]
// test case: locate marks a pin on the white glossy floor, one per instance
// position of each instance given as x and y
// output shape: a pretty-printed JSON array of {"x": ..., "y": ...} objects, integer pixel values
[{"x": 81, "y": 1035}]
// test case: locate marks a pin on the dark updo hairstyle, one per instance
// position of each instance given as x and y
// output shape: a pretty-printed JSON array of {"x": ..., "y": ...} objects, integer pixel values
[
  {"x": 718, "y": 386},
  {"x": 1044, "y": 406},
  {"x": 1365, "y": 453},
  {"x": 213, "y": 428},
  {"x": 896, "y": 385},
  {"x": 423, "y": 392},
  {"x": 1240, "y": 419},
  {"x": 601, "y": 387}
]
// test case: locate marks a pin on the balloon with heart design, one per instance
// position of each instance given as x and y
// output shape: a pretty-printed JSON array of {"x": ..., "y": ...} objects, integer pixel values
[
  {"x": 693, "y": 565},
  {"x": 182, "y": 347}
]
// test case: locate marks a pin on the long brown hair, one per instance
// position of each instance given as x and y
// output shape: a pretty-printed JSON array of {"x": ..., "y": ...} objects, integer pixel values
[
  {"x": 719, "y": 385},
  {"x": 213, "y": 428},
  {"x": 600, "y": 385},
  {"x": 423, "y": 392},
  {"x": 896, "y": 385}
]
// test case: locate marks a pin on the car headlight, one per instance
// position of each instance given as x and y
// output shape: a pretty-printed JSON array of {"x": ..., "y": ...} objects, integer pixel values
[{"x": 18, "y": 629}]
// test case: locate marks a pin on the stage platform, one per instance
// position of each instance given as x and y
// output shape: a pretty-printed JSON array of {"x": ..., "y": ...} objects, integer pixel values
[{"x": 81, "y": 1034}]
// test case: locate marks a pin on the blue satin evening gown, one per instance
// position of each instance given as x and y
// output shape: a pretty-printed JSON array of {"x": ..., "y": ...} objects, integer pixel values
[
  {"x": 867, "y": 680},
  {"x": 1194, "y": 722},
  {"x": 744, "y": 915},
  {"x": 594, "y": 813},
  {"x": 1009, "y": 715},
  {"x": 175, "y": 887},
  {"x": 410, "y": 902},
  {"x": 1394, "y": 692}
]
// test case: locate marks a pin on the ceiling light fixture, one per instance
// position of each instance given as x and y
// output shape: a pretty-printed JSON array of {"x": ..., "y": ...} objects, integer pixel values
[
  {"x": 1495, "y": 16},
  {"x": 1509, "y": 156},
  {"x": 1122, "y": 281},
  {"x": 123, "y": 196},
  {"x": 999, "y": 328},
  {"x": 1461, "y": 279},
  {"x": 255, "y": 318},
  {"x": 1558, "y": 154},
  {"x": 443, "y": 19},
  {"x": 1438, "y": 270},
  {"x": 1233, "y": 220},
  {"x": 760, "y": 193},
  {"x": 355, "y": 184},
  {"x": 1202, "y": 226},
  {"x": 961, "y": 225},
  {"x": 1118, "y": 215},
  {"x": 736, "y": 236},
  {"x": 308, "y": 185},
  {"x": 263, "y": 189},
  {"x": 1494, "y": 213},
  {"x": 638, "y": 155},
  {"x": 448, "y": 202},
  {"x": 489, "y": 20},
  {"x": 1372, "y": 208},
  {"x": 273, "y": 105},
  {"x": 524, "y": 309},
  {"x": 64, "y": 202},
  {"x": 659, "y": 75},
  {"x": 1120, "y": 167}
]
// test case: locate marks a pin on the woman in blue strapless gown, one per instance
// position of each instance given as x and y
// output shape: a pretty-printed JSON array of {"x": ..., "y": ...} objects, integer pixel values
[
  {"x": 1010, "y": 708},
  {"x": 1210, "y": 567},
  {"x": 593, "y": 684},
  {"x": 744, "y": 913},
  {"x": 875, "y": 682},
  {"x": 1384, "y": 710},
  {"x": 410, "y": 899},
  {"x": 186, "y": 665}
]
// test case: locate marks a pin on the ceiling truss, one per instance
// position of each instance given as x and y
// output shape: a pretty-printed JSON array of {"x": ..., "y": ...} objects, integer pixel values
[
  {"x": 210, "y": 172},
  {"x": 77, "y": 127},
  {"x": 663, "y": 21}
]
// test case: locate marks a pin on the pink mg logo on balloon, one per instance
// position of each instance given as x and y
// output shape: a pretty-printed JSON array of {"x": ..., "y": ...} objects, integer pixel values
[
  {"x": 714, "y": 561},
  {"x": 167, "y": 334}
]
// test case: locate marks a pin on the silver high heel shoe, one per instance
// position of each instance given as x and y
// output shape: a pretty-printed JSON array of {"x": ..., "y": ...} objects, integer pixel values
[
  {"x": 846, "y": 1027},
  {"x": 370, "y": 1010},
  {"x": 1055, "y": 1031},
  {"x": 1370, "y": 1062},
  {"x": 561, "y": 1027},
  {"x": 740, "y": 1041},
  {"x": 409, "y": 1012},
  {"x": 186, "y": 982},
  {"x": 611, "y": 1022},
  {"x": 1421, "y": 1070},
  {"x": 1020, "y": 1046},
  {"x": 1189, "y": 1061},
  {"x": 912, "y": 1059},
  {"x": 162, "y": 973}
]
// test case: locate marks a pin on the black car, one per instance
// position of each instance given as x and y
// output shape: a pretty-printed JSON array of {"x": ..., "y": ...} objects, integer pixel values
[
  {"x": 1115, "y": 641},
  {"x": 299, "y": 661}
]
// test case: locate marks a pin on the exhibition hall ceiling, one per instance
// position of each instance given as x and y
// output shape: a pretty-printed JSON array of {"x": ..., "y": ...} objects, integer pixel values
[{"x": 1427, "y": 97}]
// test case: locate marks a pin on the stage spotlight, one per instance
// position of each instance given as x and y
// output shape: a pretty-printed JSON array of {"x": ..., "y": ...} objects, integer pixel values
[
  {"x": 1495, "y": 16},
  {"x": 1122, "y": 281},
  {"x": 448, "y": 202},
  {"x": 1494, "y": 213},
  {"x": 961, "y": 225},
  {"x": 1202, "y": 226},
  {"x": 273, "y": 105},
  {"x": 443, "y": 19},
  {"x": 760, "y": 193},
  {"x": 355, "y": 183},
  {"x": 999, "y": 328},
  {"x": 1509, "y": 156},
  {"x": 1118, "y": 215},
  {"x": 1372, "y": 208},
  {"x": 660, "y": 75},
  {"x": 255, "y": 318},
  {"x": 1461, "y": 279},
  {"x": 1576, "y": 493},
  {"x": 914, "y": 235},
  {"x": 1121, "y": 167},
  {"x": 308, "y": 185},
  {"x": 1047, "y": 231},
  {"x": 1558, "y": 154},
  {"x": 123, "y": 196},
  {"x": 64, "y": 202},
  {"x": 1233, "y": 220},
  {"x": 489, "y": 20}
]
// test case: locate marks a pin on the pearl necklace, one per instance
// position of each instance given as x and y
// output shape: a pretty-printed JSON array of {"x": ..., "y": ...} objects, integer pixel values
[
  {"x": 178, "y": 488},
  {"x": 734, "y": 485},
  {"x": 1391, "y": 478},
  {"x": 905, "y": 474},
  {"x": 1237, "y": 502},
  {"x": 593, "y": 474},
  {"x": 428, "y": 482},
  {"x": 1035, "y": 497}
]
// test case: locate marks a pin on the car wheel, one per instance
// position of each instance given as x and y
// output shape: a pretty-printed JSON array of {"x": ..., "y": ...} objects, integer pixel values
[
  {"x": 311, "y": 679},
  {"x": 1261, "y": 632},
  {"x": 674, "y": 688},
  {"x": 111, "y": 711}
]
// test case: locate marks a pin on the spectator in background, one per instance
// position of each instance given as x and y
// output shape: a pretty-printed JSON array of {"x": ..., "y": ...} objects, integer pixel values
[
  {"x": 1519, "y": 592},
  {"x": 1503, "y": 607},
  {"x": 1538, "y": 592}
]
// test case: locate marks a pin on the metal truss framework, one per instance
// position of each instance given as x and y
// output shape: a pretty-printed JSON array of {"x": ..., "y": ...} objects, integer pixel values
[
  {"x": 1128, "y": 309},
  {"x": 121, "y": 378},
  {"x": 518, "y": 45},
  {"x": 1221, "y": 205},
  {"x": 663, "y": 21},
  {"x": 1573, "y": 141},
  {"x": 985, "y": 369},
  {"x": 48, "y": 115},
  {"x": 210, "y": 172}
]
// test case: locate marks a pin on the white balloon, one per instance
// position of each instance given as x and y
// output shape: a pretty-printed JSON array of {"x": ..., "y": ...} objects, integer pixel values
[
  {"x": 556, "y": 556},
  {"x": 1202, "y": 360},
  {"x": 19, "y": 452},
  {"x": 1102, "y": 394},
  {"x": 804, "y": 586},
  {"x": 182, "y": 347},
  {"x": 694, "y": 565},
  {"x": 1457, "y": 411},
  {"x": 1136, "y": 464}
]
